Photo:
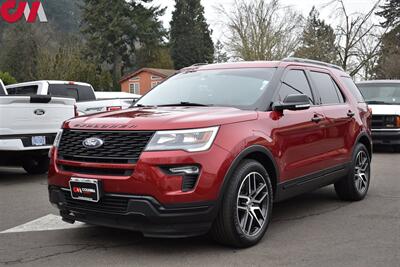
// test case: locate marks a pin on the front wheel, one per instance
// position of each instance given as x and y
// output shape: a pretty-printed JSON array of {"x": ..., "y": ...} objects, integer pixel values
[
  {"x": 246, "y": 207},
  {"x": 354, "y": 186},
  {"x": 37, "y": 165}
]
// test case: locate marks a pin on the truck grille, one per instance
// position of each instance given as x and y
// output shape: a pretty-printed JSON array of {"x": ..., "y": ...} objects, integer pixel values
[
  {"x": 118, "y": 147},
  {"x": 383, "y": 121}
]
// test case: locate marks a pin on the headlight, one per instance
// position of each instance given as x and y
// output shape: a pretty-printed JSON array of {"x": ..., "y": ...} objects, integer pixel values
[
  {"x": 58, "y": 138},
  {"x": 188, "y": 140}
]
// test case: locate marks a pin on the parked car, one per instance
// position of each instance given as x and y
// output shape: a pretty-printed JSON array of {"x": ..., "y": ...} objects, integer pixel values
[
  {"x": 83, "y": 93},
  {"x": 212, "y": 148},
  {"x": 28, "y": 126},
  {"x": 383, "y": 96},
  {"x": 126, "y": 99}
]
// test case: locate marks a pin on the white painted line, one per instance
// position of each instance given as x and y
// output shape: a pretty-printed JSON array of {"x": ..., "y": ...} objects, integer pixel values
[{"x": 49, "y": 222}]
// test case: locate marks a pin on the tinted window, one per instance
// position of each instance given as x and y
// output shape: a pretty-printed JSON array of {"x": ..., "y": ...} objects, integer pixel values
[
  {"x": 353, "y": 89},
  {"x": 24, "y": 90},
  {"x": 78, "y": 92},
  {"x": 295, "y": 82},
  {"x": 241, "y": 88},
  {"x": 326, "y": 88},
  {"x": 338, "y": 91},
  {"x": 381, "y": 93}
]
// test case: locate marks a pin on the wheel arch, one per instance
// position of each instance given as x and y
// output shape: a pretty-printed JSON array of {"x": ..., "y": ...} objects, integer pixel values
[
  {"x": 258, "y": 153},
  {"x": 366, "y": 140}
]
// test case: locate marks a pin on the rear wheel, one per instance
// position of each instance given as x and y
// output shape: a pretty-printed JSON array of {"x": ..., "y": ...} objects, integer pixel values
[
  {"x": 355, "y": 185},
  {"x": 246, "y": 207},
  {"x": 36, "y": 165}
]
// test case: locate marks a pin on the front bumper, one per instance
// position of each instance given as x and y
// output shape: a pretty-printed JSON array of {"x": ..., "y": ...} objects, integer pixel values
[
  {"x": 386, "y": 137},
  {"x": 137, "y": 213}
]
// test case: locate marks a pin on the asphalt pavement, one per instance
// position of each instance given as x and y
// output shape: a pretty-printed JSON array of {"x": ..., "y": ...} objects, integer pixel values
[{"x": 315, "y": 229}]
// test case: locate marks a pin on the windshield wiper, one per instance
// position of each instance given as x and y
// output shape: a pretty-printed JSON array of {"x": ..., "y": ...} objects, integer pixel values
[{"x": 188, "y": 104}]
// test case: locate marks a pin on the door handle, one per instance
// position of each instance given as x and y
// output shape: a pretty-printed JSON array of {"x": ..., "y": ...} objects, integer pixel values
[
  {"x": 317, "y": 118},
  {"x": 350, "y": 114}
]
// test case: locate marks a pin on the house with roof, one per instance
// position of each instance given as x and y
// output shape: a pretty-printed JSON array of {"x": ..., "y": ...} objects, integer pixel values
[{"x": 143, "y": 80}]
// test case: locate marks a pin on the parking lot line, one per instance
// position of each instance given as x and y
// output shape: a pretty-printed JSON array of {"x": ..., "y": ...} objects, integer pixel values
[{"x": 49, "y": 222}]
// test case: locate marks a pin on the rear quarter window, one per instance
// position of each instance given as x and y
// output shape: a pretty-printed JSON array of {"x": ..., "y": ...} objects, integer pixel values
[
  {"x": 350, "y": 85},
  {"x": 80, "y": 93},
  {"x": 23, "y": 90}
]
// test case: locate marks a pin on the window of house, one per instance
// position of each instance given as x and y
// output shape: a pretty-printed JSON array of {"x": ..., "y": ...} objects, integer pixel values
[
  {"x": 134, "y": 88},
  {"x": 328, "y": 92},
  {"x": 133, "y": 79},
  {"x": 153, "y": 77},
  {"x": 294, "y": 83}
]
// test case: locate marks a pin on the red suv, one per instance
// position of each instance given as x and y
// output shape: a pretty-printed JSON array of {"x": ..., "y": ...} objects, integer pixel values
[{"x": 212, "y": 148}]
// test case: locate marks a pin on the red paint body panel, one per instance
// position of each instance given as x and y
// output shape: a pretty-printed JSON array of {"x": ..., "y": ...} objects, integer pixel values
[{"x": 299, "y": 146}]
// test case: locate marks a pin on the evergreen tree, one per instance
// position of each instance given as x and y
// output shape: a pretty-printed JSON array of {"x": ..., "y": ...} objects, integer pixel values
[
  {"x": 391, "y": 12},
  {"x": 7, "y": 78},
  {"x": 318, "y": 40},
  {"x": 220, "y": 56},
  {"x": 388, "y": 66},
  {"x": 190, "y": 35},
  {"x": 115, "y": 29}
]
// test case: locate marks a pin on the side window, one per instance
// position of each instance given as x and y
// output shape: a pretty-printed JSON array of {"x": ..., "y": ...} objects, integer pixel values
[
  {"x": 353, "y": 89},
  {"x": 328, "y": 91},
  {"x": 295, "y": 82},
  {"x": 25, "y": 90}
]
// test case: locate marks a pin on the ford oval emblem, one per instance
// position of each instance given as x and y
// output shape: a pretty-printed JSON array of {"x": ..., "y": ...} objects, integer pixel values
[
  {"x": 39, "y": 112},
  {"x": 92, "y": 142}
]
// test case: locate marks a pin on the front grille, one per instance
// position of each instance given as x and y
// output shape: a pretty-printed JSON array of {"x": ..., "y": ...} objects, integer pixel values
[
  {"x": 96, "y": 171},
  {"x": 110, "y": 204},
  {"x": 383, "y": 121},
  {"x": 118, "y": 147}
]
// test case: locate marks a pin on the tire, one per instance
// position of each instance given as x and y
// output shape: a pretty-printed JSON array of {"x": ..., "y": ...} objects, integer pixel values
[
  {"x": 38, "y": 165},
  {"x": 228, "y": 227},
  {"x": 355, "y": 185}
]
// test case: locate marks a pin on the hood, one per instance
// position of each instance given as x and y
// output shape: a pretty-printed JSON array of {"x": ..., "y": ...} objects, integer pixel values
[
  {"x": 385, "y": 109},
  {"x": 162, "y": 118}
]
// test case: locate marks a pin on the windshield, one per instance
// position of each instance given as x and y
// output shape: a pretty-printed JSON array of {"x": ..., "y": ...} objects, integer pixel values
[
  {"x": 242, "y": 88},
  {"x": 387, "y": 94}
]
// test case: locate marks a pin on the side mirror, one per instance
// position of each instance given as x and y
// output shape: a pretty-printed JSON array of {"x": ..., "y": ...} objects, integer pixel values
[{"x": 293, "y": 102}]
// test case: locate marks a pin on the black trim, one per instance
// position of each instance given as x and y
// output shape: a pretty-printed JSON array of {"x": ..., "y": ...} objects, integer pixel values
[
  {"x": 138, "y": 213},
  {"x": 17, "y": 158},
  {"x": 44, "y": 99},
  {"x": 238, "y": 159},
  {"x": 361, "y": 135},
  {"x": 311, "y": 182}
]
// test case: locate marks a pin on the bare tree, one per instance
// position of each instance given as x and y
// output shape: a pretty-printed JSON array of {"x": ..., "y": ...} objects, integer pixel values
[
  {"x": 359, "y": 39},
  {"x": 261, "y": 30}
]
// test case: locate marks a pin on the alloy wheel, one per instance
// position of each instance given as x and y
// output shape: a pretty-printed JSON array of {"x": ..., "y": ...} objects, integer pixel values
[
  {"x": 252, "y": 203},
  {"x": 361, "y": 172}
]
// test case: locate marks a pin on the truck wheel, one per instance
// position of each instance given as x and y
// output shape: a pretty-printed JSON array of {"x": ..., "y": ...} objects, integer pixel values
[
  {"x": 246, "y": 207},
  {"x": 38, "y": 165},
  {"x": 354, "y": 186}
]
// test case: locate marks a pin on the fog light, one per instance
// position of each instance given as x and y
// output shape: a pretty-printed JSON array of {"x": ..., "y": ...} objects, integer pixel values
[{"x": 189, "y": 170}]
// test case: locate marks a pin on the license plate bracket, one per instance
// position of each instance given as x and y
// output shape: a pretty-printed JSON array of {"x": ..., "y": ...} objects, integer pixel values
[{"x": 85, "y": 189}]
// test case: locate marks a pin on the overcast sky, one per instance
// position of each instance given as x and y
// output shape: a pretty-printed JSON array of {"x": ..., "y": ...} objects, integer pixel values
[{"x": 303, "y": 6}]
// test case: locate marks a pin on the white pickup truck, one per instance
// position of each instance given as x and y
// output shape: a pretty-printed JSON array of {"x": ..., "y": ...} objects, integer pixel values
[
  {"x": 28, "y": 126},
  {"x": 83, "y": 93},
  {"x": 383, "y": 97}
]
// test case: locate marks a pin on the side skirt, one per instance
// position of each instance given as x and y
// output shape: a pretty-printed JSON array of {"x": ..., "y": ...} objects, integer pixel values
[{"x": 311, "y": 182}]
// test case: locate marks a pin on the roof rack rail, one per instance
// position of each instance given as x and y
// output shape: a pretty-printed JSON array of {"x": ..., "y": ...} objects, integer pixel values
[
  {"x": 310, "y": 61},
  {"x": 198, "y": 64}
]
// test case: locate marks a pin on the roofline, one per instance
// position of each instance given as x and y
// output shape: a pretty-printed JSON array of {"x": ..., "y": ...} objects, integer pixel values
[{"x": 151, "y": 70}]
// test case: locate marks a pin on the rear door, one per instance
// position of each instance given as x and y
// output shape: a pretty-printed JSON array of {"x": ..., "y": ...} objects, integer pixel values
[
  {"x": 340, "y": 122},
  {"x": 300, "y": 134}
]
